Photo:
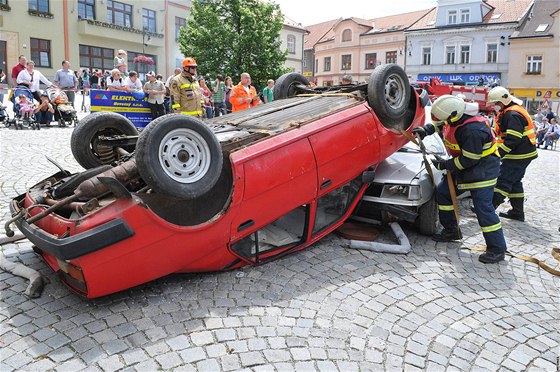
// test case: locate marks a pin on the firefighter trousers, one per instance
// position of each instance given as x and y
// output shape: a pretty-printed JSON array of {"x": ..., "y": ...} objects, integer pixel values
[
  {"x": 510, "y": 183},
  {"x": 488, "y": 220}
]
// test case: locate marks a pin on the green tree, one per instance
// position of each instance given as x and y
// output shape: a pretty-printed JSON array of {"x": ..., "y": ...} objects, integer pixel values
[{"x": 229, "y": 37}]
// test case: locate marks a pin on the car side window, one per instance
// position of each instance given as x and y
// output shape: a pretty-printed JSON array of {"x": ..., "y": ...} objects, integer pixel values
[
  {"x": 332, "y": 206},
  {"x": 289, "y": 230}
]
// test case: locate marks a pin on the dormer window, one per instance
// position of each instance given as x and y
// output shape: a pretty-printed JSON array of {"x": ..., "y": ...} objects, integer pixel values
[
  {"x": 465, "y": 15},
  {"x": 451, "y": 17},
  {"x": 347, "y": 35}
]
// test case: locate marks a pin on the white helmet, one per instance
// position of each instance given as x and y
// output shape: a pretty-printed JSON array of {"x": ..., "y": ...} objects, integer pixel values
[
  {"x": 447, "y": 109},
  {"x": 501, "y": 94},
  {"x": 462, "y": 96}
]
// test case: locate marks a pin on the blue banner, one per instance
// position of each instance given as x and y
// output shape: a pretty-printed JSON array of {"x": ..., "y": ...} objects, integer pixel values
[
  {"x": 467, "y": 79},
  {"x": 124, "y": 103}
]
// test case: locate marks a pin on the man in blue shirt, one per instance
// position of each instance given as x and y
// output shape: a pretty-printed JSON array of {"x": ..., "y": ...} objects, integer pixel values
[{"x": 66, "y": 80}]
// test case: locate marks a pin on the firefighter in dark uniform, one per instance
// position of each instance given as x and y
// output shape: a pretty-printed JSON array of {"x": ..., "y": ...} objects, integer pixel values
[
  {"x": 517, "y": 146},
  {"x": 185, "y": 91},
  {"x": 474, "y": 166}
]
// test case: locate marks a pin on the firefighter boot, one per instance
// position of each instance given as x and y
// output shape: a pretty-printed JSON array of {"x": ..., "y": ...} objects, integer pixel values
[
  {"x": 516, "y": 211},
  {"x": 447, "y": 235},
  {"x": 491, "y": 257}
]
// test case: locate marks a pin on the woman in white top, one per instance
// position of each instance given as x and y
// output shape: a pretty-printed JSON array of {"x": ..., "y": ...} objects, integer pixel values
[
  {"x": 132, "y": 82},
  {"x": 115, "y": 81},
  {"x": 31, "y": 78}
]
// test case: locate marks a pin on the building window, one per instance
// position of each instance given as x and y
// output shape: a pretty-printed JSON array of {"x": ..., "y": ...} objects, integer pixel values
[
  {"x": 86, "y": 9},
  {"x": 451, "y": 17},
  {"x": 371, "y": 61},
  {"x": 346, "y": 62},
  {"x": 141, "y": 68},
  {"x": 291, "y": 44},
  {"x": 327, "y": 64},
  {"x": 316, "y": 65},
  {"x": 347, "y": 35},
  {"x": 391, "y": 57},
  {"x": 96, "y": 58},
  {"x": 3, "y": 2},
  {"x": 426, "y": 55},
  {"x": 148, "y": 20},
  {"x": 119, "y": 13},
  {"x": 450, "y": 54},
  {"x": 491, "y": 53},
  {"x": 465, "y": 15},
  {"x": 465, "y": 54},
  {"x": 41, "y": 52},
  {"x": 534, "y": 65},
  {"x": 179, "y": 22},
  {"x": 39, "y": 5}
]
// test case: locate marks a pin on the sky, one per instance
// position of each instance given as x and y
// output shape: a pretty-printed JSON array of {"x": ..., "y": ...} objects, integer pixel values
[{"x": 309, "y": 12}]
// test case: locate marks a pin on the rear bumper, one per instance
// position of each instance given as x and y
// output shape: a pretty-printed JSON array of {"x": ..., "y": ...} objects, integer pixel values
[{"x": 78, "y": 245}]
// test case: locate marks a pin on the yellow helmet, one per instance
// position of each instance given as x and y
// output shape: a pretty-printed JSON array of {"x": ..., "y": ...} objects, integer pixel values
[{"x": 447, "y": 109}]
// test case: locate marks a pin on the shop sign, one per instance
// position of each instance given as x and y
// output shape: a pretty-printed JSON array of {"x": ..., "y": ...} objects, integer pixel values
[
  {"x": 536, "y": 93},
  {"x": 460, "y": 78}
]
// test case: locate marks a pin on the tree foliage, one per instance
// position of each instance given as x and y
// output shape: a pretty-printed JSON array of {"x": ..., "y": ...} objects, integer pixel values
[{"x": 229, "y": 37}]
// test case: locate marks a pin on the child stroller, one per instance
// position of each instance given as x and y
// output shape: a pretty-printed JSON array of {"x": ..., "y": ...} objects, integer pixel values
[
  {"x": 23, "y": 120},
  {"x": 5, "y": 117},
  {"x": 64, "y": 112}
]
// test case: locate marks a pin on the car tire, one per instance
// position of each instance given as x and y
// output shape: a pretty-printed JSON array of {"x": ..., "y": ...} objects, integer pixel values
[
  {"x": 389, "y": 93},
  {"x": 83, "y": 142},
  {"x": 179, "y": 155},
  {"x": 286, "y": 85},
  {"x": 427, "y": 221}
]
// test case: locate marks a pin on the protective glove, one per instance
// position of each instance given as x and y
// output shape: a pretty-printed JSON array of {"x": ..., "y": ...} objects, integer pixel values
[
  {"x": 420, "y": 132},
  {"x": 440, "y": 164}
]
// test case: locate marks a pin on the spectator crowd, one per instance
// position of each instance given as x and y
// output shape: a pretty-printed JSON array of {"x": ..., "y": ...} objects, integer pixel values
[{"x": 206, "y": 96}]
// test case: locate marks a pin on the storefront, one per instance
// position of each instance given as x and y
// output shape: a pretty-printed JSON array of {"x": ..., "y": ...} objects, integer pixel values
[
  {"x": 462, "y": 79},
  {"x": 538, "y": 99}
]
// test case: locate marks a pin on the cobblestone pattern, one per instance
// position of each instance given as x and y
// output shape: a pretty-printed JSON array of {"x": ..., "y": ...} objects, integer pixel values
[{"x": 325, "y": 308}]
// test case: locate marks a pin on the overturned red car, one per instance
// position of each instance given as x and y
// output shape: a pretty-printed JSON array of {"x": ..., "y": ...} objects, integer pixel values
[{"x": 192, "y": 196}]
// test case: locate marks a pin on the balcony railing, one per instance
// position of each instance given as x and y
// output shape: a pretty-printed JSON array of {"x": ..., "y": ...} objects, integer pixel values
[{"x": 119, "y": 27}]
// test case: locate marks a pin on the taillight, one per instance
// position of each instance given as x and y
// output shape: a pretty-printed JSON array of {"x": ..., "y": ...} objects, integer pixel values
[{"x": 72, "y": 275}]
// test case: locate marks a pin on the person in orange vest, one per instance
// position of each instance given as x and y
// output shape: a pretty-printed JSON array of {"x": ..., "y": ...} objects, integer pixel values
[
  {"x": 243, "y": 95},
  {"x": 517, "y": 146},
  {"x": 475, "y": 166}
]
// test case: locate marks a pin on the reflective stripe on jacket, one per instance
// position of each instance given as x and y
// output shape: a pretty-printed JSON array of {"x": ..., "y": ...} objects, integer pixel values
[
  {"x": 516, "y": 134},
  {"x": 455, "y": 150},
  {"x": 186, "y": 94},
  {"x": 473, "y": 145}
]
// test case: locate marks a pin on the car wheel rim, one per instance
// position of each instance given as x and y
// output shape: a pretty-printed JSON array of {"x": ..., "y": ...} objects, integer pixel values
[
  {"x": 394, "y": 91},
  {"x": 184, "y": 155}
]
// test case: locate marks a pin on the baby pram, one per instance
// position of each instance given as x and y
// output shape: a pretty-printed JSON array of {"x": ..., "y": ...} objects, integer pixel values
[
  {"x": 64, "y": 112},
  {"x": 5, "y": 117},
  {"x": 21, "y": 121}
]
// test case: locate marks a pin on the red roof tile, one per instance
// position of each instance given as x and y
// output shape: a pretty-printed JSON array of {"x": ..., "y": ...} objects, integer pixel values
[
  {"x": 317, "y": 31},
  {"x": 508, "y": 10}
]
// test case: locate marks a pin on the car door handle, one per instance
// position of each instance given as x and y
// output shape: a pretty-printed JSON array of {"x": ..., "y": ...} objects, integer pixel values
[
  {"x": 326, "y": 184},
  {"x": 245, "y": 225}
]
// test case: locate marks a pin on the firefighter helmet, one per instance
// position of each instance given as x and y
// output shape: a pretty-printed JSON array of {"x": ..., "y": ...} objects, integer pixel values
[
  {"x": 447, "y": 109},
  {"x": 189, "y": 62},
  {"x": 499, "y": 94}
]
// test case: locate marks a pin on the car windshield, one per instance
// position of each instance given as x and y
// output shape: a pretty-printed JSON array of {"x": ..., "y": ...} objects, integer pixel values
[{"x": 433, "y": 144}]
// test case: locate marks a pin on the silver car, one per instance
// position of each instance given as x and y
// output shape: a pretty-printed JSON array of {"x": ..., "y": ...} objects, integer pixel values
[{"x": 402, "y": 189}]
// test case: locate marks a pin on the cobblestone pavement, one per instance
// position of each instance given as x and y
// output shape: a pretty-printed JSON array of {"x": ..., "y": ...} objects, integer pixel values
[{"x": 325, "y": 308}]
